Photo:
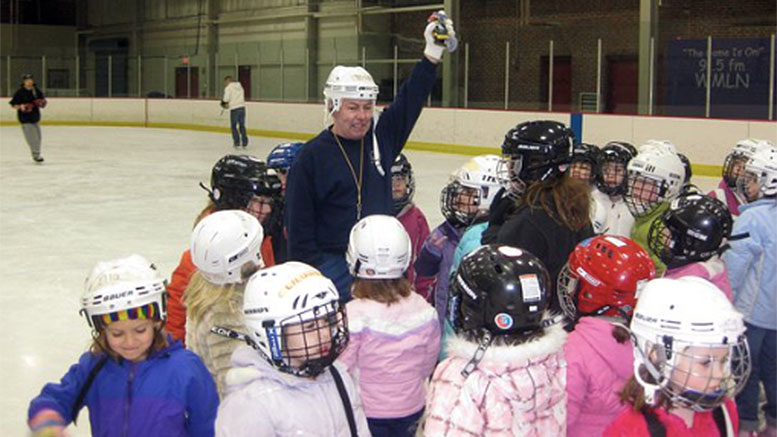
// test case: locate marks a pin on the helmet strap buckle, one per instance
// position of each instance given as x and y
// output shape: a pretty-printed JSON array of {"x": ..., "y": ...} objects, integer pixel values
[{"x": 483, "y": 344}]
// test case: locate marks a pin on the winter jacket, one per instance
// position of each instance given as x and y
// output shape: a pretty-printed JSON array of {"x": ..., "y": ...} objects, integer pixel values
[
  {"x": 176, "y": 311},
  {"x": 502, "y": 207},
  {"x": 179, "y": 281},
  {"x": 321, "y": 192},
  {"x": 597, "y": 368},
  {"x": 533, "y": 230},
  {"x": 437, "y": 261},
  {"x": 414, "y": 221},
  {"x": 33, "y": 99},
  {"x": 169, "y": 394},
  {"x": 713, "y": 270},
  {"x": 752, "y": 263},
  {"x": 263, "y": 401},
  {"x": 469, "y": 242},
  {"x": 513, "y": 391},
  {"x": 234, "y": 95},
  {"x": 725, "y": 194},
  {"x": 632, "y": 423},
  {"x": 393, "y": 349},
  {"x": 216, "y": 350},
  {"x": 610, "y": 216},
  {"x": 639, "y": 233}
]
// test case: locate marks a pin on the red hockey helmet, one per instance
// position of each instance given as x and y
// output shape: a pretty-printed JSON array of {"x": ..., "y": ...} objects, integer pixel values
[{"x": 601, "y": 277}]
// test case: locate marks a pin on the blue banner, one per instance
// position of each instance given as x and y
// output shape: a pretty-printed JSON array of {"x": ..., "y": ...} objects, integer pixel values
[{"x": 739, "y": 78}]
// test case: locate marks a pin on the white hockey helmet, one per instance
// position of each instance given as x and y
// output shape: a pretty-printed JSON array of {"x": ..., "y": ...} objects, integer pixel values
[
  {"x": 733, "y": 165},
  {"x": 762, "y": 169},
  {"x": 378, "y": 248},
  {"x": 294, "y": 318},
  {"x": 483, "y": 177},
  {"x": 677, "y": 322},
  {"x": 348, "y": 83},
  {"x": 223, "y": 242},
  {"x": 123, "y": 289},
  {"x": 655, "y": 176}
]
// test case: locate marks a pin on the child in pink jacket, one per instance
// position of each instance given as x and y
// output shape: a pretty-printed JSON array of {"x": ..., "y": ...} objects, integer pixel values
[
  {"x": 597, "y": 289},
  {"x": 395, "y": 335},
  {"x": 505, "y": 372},
  {"x": 412, "y": 218},
  {"x": 690, "y": 237}
]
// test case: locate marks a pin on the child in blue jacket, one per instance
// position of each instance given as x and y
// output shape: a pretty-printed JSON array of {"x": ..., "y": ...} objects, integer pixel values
[{"x": 135, "y": 380}]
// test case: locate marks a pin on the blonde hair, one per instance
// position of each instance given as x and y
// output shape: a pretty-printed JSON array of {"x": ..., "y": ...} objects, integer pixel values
[
  {"x": 385, "y": 291},
  {"x": 201, "y": 294},
  {"x": 208, "y": 210},
  {"x": 100, "y": 342}
]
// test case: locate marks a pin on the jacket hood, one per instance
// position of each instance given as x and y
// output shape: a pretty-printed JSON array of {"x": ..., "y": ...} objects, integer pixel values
[
  {"x": 597, "y": 333},
  {"x": 551, "y": 342}
]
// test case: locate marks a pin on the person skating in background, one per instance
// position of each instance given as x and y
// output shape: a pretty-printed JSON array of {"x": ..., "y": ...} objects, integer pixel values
[
  {"x": 394, "y": 333},
  {"x": 505, "y": 373},
  {"x": 597, "y": 290},
  {"x": 733, "y": 167},
  {"x": 239, "y": 182},
  {"x": 286, "y": 381},
  {"x": 463, "y": 201},
  {"x": 225, "y": 248},
  {"x": 280, "y": 159},
  {"x": 552, "y": 214},
  {"x": 27, "y": 101},
  {"x": 655, "y": 178},
  {"x": 413, "y": 219},
  {"x": 683, "y": 376},
  {"x": 752, "y": 270},
  {"x": 235, "y": 101},
  {"x": 690, "y": 236},
  {"x": 135, "y": 379},
  {"x": 344, "y": 173},
  {"x": 609, "y": 213}
]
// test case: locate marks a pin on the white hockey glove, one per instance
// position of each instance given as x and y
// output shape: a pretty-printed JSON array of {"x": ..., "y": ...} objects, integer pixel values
[{"x": 439, "y": 35}]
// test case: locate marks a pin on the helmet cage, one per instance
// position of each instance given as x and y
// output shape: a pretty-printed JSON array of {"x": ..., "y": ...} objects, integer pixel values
[
  {"x": 453, "y": 206},
  {"x": 734, "y": 160},
  {"x": 644, "y": 193},
  {"x": 608, "y": 158},
  {"x": 402, "y": 169},
  {"x": 505, "y": 172},
  {"x": 674, "y": 380},
  {"x": 315, "y": 352}
]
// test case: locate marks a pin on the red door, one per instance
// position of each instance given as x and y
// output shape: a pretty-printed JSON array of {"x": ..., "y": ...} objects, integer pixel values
[
  {"x": 562, "y": 83},
  {"x": 181, "y": 80},
  {"x": 244, "y": 77},
  {"x": 622, "y": 85}
]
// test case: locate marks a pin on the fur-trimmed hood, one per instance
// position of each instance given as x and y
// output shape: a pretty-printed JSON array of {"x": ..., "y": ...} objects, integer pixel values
[{"x": 551, "y": 342}]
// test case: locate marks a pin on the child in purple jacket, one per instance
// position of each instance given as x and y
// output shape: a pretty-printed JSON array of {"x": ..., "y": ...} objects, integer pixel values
[
  {"x": 597, "y": 290},
  {"x": 134, "y": 378},
  {"x": 395, "y": 337}
]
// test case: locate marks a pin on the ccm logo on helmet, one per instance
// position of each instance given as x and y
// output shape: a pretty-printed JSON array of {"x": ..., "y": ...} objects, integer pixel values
[{"x": 115, "y": 296}]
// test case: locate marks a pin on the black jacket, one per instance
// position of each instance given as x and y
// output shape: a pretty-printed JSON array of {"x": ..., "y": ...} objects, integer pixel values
[
  {"x": 532, "y": 229},
  {"x": 25, "y": 96}
]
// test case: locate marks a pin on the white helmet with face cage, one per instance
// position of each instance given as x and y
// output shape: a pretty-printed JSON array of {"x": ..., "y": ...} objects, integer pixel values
[{"x": 655, "y": 176}]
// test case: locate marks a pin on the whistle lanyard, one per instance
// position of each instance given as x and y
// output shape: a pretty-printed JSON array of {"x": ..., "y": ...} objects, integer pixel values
[{"x": 357, "y": 181}]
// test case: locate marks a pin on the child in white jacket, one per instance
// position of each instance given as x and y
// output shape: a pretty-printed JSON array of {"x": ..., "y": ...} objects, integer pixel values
[
  {"x": 609, "y": 214},
  {"x": 287, "y": 382}
]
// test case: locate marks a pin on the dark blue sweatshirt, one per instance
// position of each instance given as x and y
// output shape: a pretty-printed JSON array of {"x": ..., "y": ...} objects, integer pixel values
[{"x": 321, "y": 192}]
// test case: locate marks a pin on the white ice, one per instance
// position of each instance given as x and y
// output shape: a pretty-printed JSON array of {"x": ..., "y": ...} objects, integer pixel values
[{"x": 105, "y": 193}]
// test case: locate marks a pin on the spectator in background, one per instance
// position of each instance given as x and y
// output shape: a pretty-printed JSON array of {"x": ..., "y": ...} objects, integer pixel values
[{"x": 234, "y": 99}]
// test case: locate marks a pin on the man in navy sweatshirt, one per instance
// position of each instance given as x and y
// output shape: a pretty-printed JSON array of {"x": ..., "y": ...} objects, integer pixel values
[{"x": 344, "y": 173}]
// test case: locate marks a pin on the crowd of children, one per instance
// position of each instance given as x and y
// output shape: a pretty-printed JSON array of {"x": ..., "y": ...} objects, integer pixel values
[{"x": 572, "y": 290}]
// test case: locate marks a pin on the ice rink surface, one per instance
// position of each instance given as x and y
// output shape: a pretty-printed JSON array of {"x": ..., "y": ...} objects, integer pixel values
[{"x": 105, "y": 193}]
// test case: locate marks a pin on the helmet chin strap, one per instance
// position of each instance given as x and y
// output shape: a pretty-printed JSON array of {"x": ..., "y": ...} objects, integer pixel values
[{"x": 483, "y": 344}]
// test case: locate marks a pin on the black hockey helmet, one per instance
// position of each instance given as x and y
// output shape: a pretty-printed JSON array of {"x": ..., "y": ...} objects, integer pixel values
[
  {"x": 499, "y": 290},
  {"x": 584, "y": 153},
  {"x": 692, "y": 229},
  {"x": 687, "y": 165},
  {"x": 538, "y": 150},
  {"x": 617, "y": 153},
  {"x": 236, "y": 179},
  {"x": 402, "y": 168}
]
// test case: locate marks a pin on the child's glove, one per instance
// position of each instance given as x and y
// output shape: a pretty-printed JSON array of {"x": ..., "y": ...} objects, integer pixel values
[
  {"x": 26, "y": 107},
  {"x": 48, "y": 423},
  {"x": 439, "y": 35},
  {"x": 40, "y": 103}
]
